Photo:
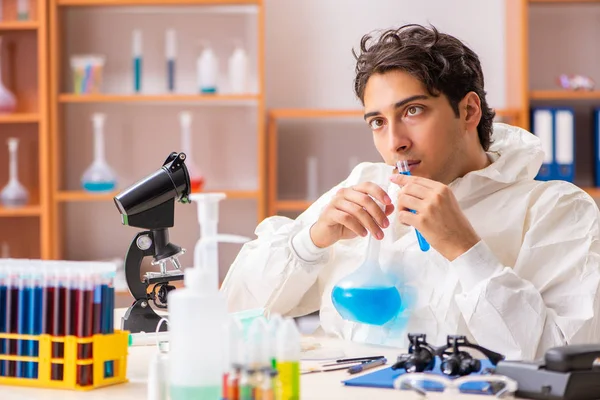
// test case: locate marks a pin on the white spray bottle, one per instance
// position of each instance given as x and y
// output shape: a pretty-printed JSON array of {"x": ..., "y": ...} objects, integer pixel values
[{"x": 198, "y": 314}]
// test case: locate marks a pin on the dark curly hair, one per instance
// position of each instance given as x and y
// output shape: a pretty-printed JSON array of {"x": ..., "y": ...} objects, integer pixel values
[{"x": 441, "y": 62}]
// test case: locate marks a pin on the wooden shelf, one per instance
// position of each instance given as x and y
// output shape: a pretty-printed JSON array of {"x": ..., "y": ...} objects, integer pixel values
[
  {"x": 564, "y": 95},
  {"x": 564, "y": 1},
  {"x": 18, "y": 26},
  {"x": 153, "y": 2},
  {"x": 19, "y": 118},
  {"x": 27, "y": 211},
  {"x": 293, "y": 205},
  {"x": 592, "y": 191},
  {"x": 82, "y": 195},
  {"x": 157, "y": 98},
  {"x": 314, "y": 113}
]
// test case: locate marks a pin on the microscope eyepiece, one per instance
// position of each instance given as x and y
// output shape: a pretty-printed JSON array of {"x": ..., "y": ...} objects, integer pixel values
[{"x": 149, "y": 202}]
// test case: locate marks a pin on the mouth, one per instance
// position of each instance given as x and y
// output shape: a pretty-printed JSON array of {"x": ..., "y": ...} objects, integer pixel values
[{"x": 412, "y": 164}]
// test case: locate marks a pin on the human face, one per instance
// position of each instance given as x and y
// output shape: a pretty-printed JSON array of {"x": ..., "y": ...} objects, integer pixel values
[{"x": 410, "y": 124}]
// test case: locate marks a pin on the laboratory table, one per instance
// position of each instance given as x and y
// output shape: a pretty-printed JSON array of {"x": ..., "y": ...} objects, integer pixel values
[{"x": 314, "y": 386}]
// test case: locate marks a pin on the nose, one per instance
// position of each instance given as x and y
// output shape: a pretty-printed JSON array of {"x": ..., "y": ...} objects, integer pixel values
[{"x": 398, "y": 140}]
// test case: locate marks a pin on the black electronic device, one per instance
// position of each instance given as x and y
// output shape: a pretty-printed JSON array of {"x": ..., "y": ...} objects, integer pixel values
[
  {"x": 569, "y": 372},
  {"x": 149, "y": 204},
  {"x": 420, "y": 357},
  {"x": 457, "y": 362}
]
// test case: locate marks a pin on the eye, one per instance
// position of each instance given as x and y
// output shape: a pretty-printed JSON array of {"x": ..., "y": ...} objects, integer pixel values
[
  {"x": 376, "y": 123},
  {"x": 414, "y": 110}
]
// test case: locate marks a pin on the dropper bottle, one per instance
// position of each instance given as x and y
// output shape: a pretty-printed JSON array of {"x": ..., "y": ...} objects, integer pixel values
[
  {"x": 288, "y": 360},
  {"x": 14, "y": 193}
]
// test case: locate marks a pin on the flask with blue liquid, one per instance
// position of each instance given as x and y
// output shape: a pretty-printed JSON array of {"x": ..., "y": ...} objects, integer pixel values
[
  {"x": 99, "y": 177},
  {"x": 367, "y": 295},
  {"x": 404, "y": 170}
]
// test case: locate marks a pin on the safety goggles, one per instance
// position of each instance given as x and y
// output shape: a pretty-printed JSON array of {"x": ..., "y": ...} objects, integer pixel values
[{"x": 496, "y": 385}]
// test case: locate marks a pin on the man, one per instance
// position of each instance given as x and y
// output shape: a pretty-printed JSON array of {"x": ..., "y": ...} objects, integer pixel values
[{"x": 514, "y": 263}]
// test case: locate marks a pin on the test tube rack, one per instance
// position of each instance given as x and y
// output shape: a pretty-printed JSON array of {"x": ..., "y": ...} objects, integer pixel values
[{"x": 105, "y": 348}]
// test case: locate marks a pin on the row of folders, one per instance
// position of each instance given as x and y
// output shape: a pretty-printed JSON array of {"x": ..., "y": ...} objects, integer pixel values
[{"x": 556, "y": 129}]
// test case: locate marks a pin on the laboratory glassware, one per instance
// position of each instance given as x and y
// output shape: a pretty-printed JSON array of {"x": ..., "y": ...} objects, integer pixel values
[
  {"x": 99, "y": 176},
  {"x": 14, "y": 193},
  {"x": 196, "y": 179},
  {"x": 405, "y": 170},
  {"x": 367, "y": 295},
  {"x": 8, "y": 102}
]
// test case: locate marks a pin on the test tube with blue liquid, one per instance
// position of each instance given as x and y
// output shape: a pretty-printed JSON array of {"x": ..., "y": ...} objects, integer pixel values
[
  {"x": 137, "y": 60},
  {"x": 405, "y": 170}
]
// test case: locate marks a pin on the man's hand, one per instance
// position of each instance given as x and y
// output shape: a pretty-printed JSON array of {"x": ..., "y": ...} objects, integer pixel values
[
  {"x": 438, "y": 216},
  {"x": 352, "y": 212}
]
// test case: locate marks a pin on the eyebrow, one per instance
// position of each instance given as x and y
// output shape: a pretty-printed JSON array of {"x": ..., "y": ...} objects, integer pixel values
[{"x": 398, "y": 104}]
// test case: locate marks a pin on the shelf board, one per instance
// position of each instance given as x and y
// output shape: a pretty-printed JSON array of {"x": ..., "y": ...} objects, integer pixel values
[
  {"x": 592, "y": 191},
  {"x": 293, "y": 205},
  {"x": 157, "y": 98},
  {"x": 82, "y": 196},
  {"x": 313, "y": 113},
  {"x": 18, "y": 26},
  {"x": 153, "y": 2},
  {"x": 564, "y": 95},
  {"x": 19, "y": 118},
  {"x": 564, "y": 1},
  {"x": 27, "y": 211}
]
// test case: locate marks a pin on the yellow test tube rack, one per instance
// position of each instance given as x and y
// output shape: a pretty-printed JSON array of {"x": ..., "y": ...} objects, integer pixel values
[{"x": 105, "y": 348}]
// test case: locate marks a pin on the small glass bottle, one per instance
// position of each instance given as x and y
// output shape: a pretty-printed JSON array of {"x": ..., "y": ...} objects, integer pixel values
[
  {"x": 14, "y": 193},
  {"x": 196, "y": 178}
]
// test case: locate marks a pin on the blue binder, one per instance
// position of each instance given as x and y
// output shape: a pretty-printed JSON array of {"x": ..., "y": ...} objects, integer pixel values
[
  {"x": 384, "y": 378},
  {"x": 542, "y": 124},
  {"x": 556, "y": 129},
  {"x": 564, "y": 144}
]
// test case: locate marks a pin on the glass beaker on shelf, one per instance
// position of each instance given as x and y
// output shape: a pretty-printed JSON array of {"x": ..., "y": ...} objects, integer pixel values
[
  {"x": 8, "y": 101},
  {"x": 196, "y": 178},
  {"x": 14, "y": 193},
  {"x": 99, "y": 177}
]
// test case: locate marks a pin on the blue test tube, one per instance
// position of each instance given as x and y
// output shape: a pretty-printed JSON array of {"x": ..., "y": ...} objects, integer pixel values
[
  {"x": 108, "y": 304},
  {"x": 171, "y": 55},
  {"x": 23, "y": 298},
  {"x": 404, "y": 170},
  {"x": 137, "y": 60},
  {"x": 37, "y": 317}
]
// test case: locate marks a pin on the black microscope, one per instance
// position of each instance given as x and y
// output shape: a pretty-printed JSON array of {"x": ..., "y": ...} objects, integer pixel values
[{"x": 150, "y": 204}]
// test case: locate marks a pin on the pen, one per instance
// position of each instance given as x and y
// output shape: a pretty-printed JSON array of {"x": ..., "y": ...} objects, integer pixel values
[
  {"x": 363, "y": 367},
  {"x": 371, "y": 358}
]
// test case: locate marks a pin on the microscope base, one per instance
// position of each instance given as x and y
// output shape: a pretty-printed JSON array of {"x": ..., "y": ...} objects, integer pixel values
[{"x": 140, "y": 318}]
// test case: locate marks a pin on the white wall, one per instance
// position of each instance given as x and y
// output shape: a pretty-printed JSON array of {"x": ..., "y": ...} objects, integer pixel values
[{"x": 309, "y": 42}]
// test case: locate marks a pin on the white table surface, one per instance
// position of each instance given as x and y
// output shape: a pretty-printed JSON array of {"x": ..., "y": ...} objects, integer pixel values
[{"x": 315, "y": 386}]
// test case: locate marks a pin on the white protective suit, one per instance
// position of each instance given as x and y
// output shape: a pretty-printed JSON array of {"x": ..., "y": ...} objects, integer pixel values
[{"x": 531, "y": 283}]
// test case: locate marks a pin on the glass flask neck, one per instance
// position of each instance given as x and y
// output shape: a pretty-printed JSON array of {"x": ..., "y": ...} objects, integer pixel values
[
  {"x": 373, "y": 248},
  {"x": 98, "y": 144},
  {"x": 12, "y": 167}
]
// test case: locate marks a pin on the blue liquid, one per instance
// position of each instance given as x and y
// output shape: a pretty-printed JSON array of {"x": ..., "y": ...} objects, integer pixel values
[
  {"x": 108, "y": 304},
  {"x": 99, "y": 186},
  {"x": 36, "y": 317},
  {"x": 422, "y": 242},
  {"x": 208, "y": 90},
  {"x": 23, "y": 328},
  {"x": 137, "y": 74},
  {"x": 373, "y": 306}
]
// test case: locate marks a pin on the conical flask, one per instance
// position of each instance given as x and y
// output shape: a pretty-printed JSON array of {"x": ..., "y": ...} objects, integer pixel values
[
  {"x": 196, "y": 178},
  {"x": 14, "y": 193},
  {"x": 367, "y": 295},
  {"x": 99, "y": 177},
  {"x": 8, "y": 102}
]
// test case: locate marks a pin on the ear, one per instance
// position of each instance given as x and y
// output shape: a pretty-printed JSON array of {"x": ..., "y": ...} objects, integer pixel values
[{"x": 470, "y": 111}]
